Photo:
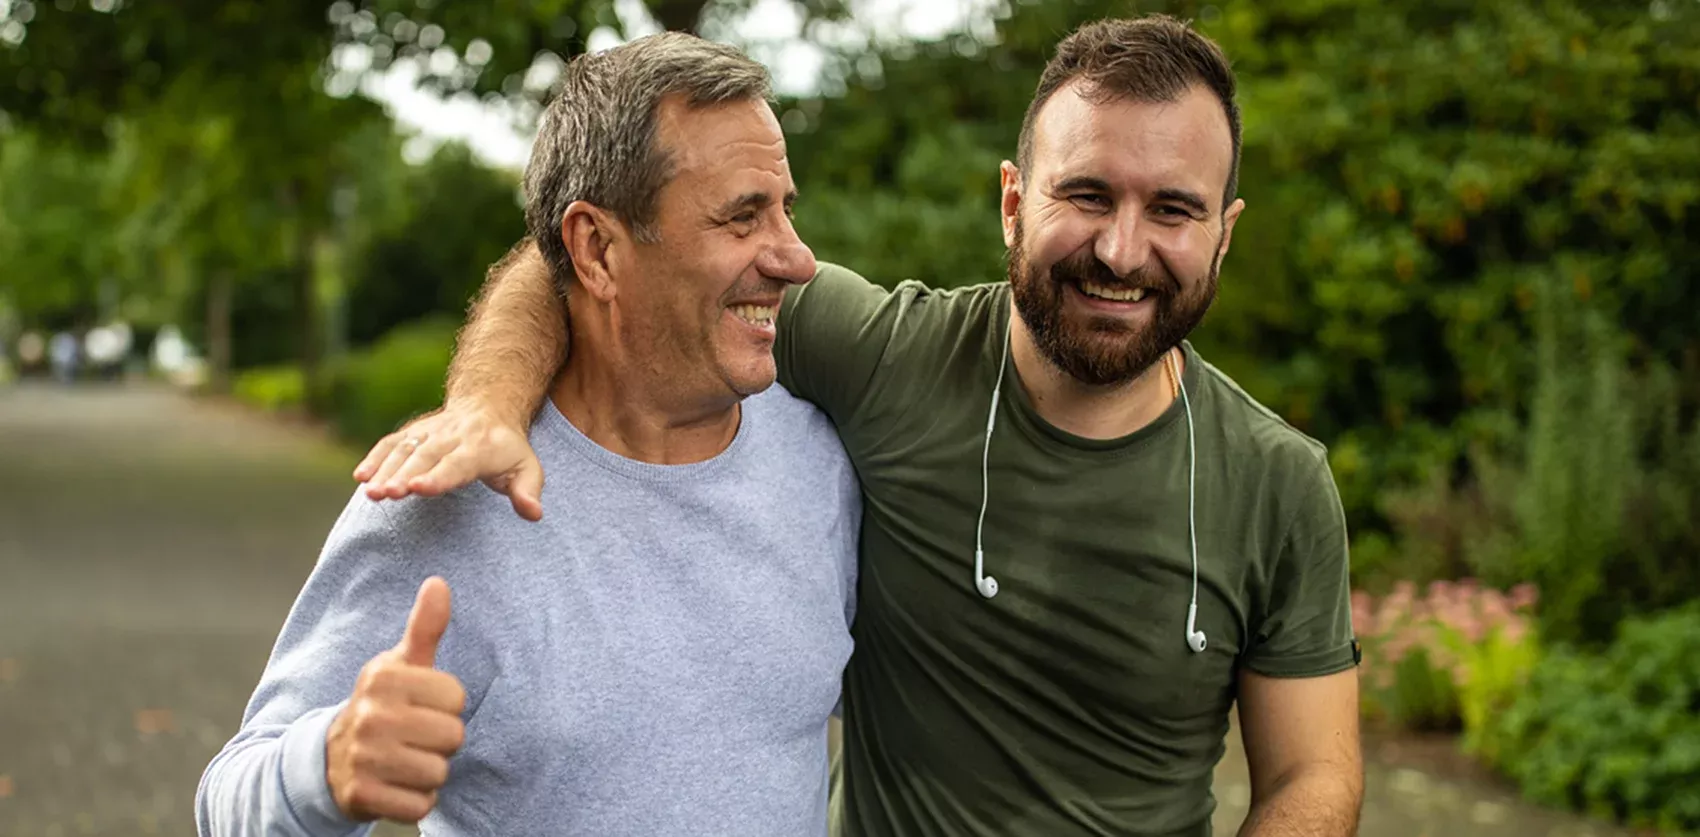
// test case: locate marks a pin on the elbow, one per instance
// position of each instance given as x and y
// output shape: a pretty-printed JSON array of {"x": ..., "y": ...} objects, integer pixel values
[{"x": 1333, "y": 787}]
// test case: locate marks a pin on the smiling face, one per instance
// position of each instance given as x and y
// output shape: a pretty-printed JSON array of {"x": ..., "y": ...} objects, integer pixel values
[
  {"x": 698, "y": 305},
  {"x": 1117, "y": 230}
]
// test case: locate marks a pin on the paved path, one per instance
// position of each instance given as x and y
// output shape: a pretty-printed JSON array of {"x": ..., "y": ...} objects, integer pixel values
[{"x": 150, "y": 548}]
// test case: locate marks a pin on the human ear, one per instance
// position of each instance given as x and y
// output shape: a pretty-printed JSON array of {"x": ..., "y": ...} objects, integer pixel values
[
  {"x": 590, "y": 234},
  {"x": 1009, "y": 207}
]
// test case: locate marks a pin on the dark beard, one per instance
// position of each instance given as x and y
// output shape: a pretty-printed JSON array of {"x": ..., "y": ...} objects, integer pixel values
[{"x": 1104, "y": 351}]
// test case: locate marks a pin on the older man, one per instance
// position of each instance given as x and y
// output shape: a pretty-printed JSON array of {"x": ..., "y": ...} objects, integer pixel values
[
  {"x": 1084, "y": 543},
  {"x": 663, "y": 655}
]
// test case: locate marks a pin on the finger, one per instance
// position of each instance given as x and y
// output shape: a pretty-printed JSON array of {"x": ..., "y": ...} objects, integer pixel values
[
  {"x": 526, "y": 490},
  {"x": 437, "y": 691},
  {"x": 430, "y": 730},
  {"x": 373, "y": 799},
  {"x": 426, "y": 457},
  {"x": 426, "y": 624},
  {"x": 412, "y": 769},
  {"x": 379, "y": 487},
  {"x": 375, "y": 457},
  {"x": 456, "y": 470}
]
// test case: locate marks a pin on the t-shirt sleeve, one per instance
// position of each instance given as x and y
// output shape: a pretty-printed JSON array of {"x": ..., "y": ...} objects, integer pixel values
[
  {"x": 1306, "y": 627},
  {"x": 831, "y": 339}
]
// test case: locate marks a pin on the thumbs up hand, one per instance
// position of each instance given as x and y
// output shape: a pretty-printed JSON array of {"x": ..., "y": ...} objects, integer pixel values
[{"x": 387, "y": 751}]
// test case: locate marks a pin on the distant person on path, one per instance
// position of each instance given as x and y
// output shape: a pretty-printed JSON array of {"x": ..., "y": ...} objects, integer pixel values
[
  {"x": 663, "y": 656},
  {"x": 1084, "y": 543},
  {"x": 64, "y": 352}
]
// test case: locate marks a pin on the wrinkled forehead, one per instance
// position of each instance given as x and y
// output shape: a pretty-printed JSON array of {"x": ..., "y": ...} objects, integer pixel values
[
  {"x": 1183, "y": 143},
  {"x": 732, "y": 140}
]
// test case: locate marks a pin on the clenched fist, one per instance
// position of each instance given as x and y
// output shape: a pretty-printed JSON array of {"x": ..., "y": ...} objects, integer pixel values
[{"x": 387, "y": 752}]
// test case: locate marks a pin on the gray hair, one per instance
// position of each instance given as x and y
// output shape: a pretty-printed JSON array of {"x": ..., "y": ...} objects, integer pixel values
[{"x": 597, "y": 140}]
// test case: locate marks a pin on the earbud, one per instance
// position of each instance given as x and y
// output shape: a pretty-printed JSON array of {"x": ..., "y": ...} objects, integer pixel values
[
  {"x": 1194, "y": 638},
  {"x": 988, "y": 587}
]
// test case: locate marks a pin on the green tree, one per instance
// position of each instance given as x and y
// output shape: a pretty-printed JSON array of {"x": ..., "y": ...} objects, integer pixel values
[{"x": 462, "y": 217}]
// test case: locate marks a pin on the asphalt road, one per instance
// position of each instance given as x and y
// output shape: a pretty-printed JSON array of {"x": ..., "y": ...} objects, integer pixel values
[{"x": 150, "y": 547}]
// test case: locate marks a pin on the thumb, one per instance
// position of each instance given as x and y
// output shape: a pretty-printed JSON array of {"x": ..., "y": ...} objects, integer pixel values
[
  {"x": 426, "y": 624},
  {"x": 525, "y": 489}
]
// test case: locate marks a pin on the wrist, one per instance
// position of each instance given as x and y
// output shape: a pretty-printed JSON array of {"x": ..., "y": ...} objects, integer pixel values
[
  {"x": 490, "y": 411},
  {"x": 306, "y": 783}
]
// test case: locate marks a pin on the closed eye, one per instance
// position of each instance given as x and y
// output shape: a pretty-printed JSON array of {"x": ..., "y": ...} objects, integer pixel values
[{"x": 1088, "y": 200}]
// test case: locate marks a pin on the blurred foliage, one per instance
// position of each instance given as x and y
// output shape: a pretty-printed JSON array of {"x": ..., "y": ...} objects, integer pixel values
[
  {"x": 462, "y": 216},
  {"x": 1598, "y": 504},
  {"x": 1494, "y": 672},
  {"x": 1442, "y": 658},
  {"x": 274, "y": 389},
  {"x": 369, "y": 393},
  {"x": 1607, "y": 504},
  {"x": 49, "y": 198},
  {"x": 1617, "y": 733}
]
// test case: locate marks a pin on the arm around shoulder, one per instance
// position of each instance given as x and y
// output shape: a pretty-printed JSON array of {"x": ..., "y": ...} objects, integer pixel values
[
  {"x": 833, "y": 331},
  {"x": 513, "y": 344}
]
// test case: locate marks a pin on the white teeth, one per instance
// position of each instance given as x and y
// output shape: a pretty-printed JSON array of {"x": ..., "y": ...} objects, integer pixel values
[
  {"x": 1115, "y": 294},
  {"x": 754, "y": 314}
]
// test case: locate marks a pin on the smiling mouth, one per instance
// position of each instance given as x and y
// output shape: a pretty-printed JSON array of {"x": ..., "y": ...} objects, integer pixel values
[
  {"x": 1108, "y": 293},
  {"x": 757, "y": 315}
]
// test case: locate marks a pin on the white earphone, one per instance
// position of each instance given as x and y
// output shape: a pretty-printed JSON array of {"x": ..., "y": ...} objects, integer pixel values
[
  {"x": 1194, "y": 637},
  {"x": 988, "y": 586}
]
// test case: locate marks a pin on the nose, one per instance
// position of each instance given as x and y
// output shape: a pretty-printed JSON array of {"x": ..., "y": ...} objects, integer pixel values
[
  {"x": 1124, "y": 245},
  {"x": 787, "y": 258}
]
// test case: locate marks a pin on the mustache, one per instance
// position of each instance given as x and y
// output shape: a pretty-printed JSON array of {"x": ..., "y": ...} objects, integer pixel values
[{"x": 1085, "y": 267}]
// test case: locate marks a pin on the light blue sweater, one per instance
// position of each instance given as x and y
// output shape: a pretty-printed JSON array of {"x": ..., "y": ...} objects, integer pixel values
[{"x": 658, "y": 656}]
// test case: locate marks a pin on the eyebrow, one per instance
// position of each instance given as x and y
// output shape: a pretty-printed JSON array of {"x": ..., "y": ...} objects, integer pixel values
[
  {"x": 1190, "y": 199},
  {"x": 1081, "y": 181},
  {"x": 752, "y": 200}
]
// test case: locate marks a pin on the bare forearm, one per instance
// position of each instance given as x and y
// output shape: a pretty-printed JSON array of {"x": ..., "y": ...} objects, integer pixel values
[
  {"x": 1322, "y": 802},
  {"x": 514, "y": 340}
]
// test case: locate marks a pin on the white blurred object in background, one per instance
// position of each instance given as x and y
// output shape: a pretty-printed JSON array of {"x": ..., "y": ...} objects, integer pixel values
[{"x": 175, "y": 359}]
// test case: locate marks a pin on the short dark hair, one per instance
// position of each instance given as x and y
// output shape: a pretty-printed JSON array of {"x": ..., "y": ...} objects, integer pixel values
[
  {"x": 1154, "y": 58},
  {"x": 597, "y": 141}
]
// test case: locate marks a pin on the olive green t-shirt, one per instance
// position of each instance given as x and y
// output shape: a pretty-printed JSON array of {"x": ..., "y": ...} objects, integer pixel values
[{"x": 1070, "y": 703}]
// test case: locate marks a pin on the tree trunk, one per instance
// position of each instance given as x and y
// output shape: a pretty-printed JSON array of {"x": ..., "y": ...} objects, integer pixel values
[
  {"x": 309, "y": 319},
  {"x": 219, "y": 301}
]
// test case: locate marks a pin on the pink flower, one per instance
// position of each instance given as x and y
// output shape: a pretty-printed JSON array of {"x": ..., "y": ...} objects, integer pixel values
[{"x": 1524, "y": 597}]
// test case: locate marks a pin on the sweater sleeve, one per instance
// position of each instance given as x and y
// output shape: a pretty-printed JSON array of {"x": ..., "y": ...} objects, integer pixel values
[{"x": 270, "y": 778}]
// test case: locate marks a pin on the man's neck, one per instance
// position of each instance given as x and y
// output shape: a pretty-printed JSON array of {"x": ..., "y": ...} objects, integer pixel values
[
  {"x": 1091, "y": 412},
  {"x": 620, "y": 405}
]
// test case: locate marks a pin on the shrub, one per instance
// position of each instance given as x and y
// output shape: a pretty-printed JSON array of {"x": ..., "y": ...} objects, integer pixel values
[
  {"x": 272, "y": 388},
  {"x": 1603, "y": 512},
  {"x": 371, "y": 393},
  {"x": 1492, "y": 672},
  {"x": 1432, "y": 661},
  {"x": 1617, "y": 733}
]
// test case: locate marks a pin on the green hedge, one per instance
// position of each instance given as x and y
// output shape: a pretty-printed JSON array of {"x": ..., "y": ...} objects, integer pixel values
[
  {"x": 370, "y": 393},
  {"x": 1618, "y": 733},
  {"x": 274, "y": 389}
]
